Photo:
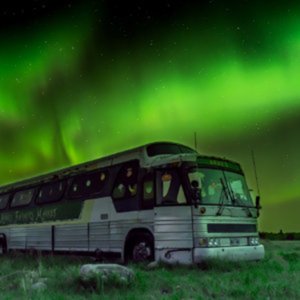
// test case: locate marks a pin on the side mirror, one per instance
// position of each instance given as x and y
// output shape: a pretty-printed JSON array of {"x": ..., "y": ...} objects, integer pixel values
[
  {"x": 196, "y": 192},
  {"x": 195, "y": 184},
  {"x": 257, "y": 204}
]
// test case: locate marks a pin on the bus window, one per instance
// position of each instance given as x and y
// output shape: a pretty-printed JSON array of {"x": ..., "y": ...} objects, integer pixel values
[
  {"x": 3, "y": 201},
  {"x": 126, "y": 183},
  {"x": 148, "y": 191},
  {"x": 168, "y": 148},
  {"x": 51, "y": 192},
  {"x": 88, "y": 184},
  {"x": 171, "y": 190},
  {"x": 181, "y": 199},
  {"x": 22, "y": 198}
]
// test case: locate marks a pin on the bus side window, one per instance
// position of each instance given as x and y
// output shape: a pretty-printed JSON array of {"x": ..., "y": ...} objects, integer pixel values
[
  {"x": 3, "y": 201},
  {"x": 171, "y": 190},
  {"x": 22, "y": 198},
  {"x": 87, "y": 184},
  {"x": 148, "y": 191},
  {"x": 126, "y": 183},
  {"x": 51, "y": 192}
]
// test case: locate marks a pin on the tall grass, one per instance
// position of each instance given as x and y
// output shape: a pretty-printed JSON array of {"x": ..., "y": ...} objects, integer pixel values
[{"x": 276, "y": 277}]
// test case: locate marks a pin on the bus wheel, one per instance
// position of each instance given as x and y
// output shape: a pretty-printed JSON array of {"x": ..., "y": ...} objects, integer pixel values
[{"x": 142, "y": 249}]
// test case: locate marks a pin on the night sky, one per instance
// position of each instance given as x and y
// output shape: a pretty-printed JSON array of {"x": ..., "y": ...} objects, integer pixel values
[{"x": 80, "y": 80}]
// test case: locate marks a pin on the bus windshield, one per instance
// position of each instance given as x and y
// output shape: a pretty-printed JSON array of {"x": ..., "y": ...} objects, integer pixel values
[{"x": 213, "y": 183}]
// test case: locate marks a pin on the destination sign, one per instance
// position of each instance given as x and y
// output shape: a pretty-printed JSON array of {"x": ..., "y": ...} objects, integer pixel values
[{"x": 207, "y": 161}]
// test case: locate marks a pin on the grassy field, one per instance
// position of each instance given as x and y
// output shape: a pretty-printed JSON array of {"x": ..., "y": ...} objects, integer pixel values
[{"x": 276, "y": 277}]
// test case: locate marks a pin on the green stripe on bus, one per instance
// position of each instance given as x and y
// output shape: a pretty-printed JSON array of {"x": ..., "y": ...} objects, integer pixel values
[{"x": 50, "y": 212}]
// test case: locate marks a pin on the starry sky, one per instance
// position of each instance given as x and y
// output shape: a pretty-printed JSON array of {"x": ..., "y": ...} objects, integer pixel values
[{"x": 83, "y": 79}]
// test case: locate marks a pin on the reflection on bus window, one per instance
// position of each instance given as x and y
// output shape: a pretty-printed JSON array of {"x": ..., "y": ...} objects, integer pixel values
[
  {"x": 51, "y": 192},
  {"x": 126, "y": 182},
  {"x": 119, "y": 191},
  {"x": 213, "y": 192},
  {"x": 238, "y": 190},
  {"x": 166, "y": 180},
  {"x": 87, "y": 184},
  {"x": 22, "y": 198},
  {"x": 132, "y": 189},
  {"x": 148, "y": 191},
  {"x": 214, "y": 188},
  {"x": 181, "y": 199}
]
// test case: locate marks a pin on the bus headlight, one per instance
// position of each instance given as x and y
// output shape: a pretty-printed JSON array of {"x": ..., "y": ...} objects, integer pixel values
[
  {"x": 253, "y": 241},
  {"x": 209, "y": 242},
  {"x": 213, "y": 242}
]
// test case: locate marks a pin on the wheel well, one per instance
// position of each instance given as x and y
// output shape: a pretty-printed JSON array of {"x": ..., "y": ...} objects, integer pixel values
[{"x": 132, "y": 235}]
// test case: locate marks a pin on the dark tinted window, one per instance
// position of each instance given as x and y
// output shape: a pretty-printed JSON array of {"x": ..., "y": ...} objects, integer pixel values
[
  {"x": 88, "y": 184},
  {"x": 158, "y": 149},
  {"x": 3, "y": 200},
  {"x": 126, "y": 183},
  {"x": 51, "y": 192},
  {"x": 22, "y": 198},
  {"x": 170, "y": 188}
]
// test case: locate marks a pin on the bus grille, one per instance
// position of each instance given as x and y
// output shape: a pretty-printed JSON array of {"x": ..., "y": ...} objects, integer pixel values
[{"x": 231, "y": 227}]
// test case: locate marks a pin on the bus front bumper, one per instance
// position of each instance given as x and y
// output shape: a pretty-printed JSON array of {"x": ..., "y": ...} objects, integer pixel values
[{"x": 229, "y": 253}]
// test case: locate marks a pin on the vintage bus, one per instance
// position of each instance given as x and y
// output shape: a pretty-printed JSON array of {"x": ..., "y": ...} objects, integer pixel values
[{"x": 161, "y": 201}]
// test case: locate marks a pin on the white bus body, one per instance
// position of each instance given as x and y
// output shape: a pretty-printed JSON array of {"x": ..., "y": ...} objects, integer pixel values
[{"x": 136, "y": 205}]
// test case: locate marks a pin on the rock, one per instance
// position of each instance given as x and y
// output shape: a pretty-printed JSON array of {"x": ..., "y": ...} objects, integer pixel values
[
  {"x": 106, "y": 271},
  {"x": 43, "y": 279},
  {"x": 32, "y": 275},
  {"x": 153, "y": 265},
  {"x": 39, "y": 286}
]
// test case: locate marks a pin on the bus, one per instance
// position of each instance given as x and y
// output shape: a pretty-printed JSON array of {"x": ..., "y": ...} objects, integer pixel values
[{"x": 159, "y": 202}]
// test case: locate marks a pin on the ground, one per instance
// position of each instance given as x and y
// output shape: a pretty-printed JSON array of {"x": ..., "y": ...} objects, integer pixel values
[{"x": 276, "y": 277}]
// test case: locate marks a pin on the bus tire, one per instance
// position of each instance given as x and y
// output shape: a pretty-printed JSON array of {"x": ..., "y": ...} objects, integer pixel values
[{"x": 141, "y": 248}]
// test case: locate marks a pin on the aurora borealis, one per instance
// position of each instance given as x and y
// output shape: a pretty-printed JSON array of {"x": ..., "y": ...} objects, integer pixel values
[{"x": 79, "y": 80}]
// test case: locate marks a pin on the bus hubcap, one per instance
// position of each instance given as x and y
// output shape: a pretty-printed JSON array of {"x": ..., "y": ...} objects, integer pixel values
[{"x": 141, "y": 251}]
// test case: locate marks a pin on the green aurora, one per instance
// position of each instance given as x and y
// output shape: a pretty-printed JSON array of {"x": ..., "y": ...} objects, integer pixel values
[{"x": 71, "y": 91}]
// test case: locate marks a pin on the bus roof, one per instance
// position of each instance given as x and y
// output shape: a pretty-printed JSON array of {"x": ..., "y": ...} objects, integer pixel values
[{"x": 144, "y": 153}]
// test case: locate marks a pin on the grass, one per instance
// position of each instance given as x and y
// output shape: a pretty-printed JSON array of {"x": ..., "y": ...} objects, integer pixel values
[{"x": 276, "y": 277}]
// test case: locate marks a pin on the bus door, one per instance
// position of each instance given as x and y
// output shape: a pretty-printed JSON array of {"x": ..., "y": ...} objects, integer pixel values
[{"x": 173, "y": 228}]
